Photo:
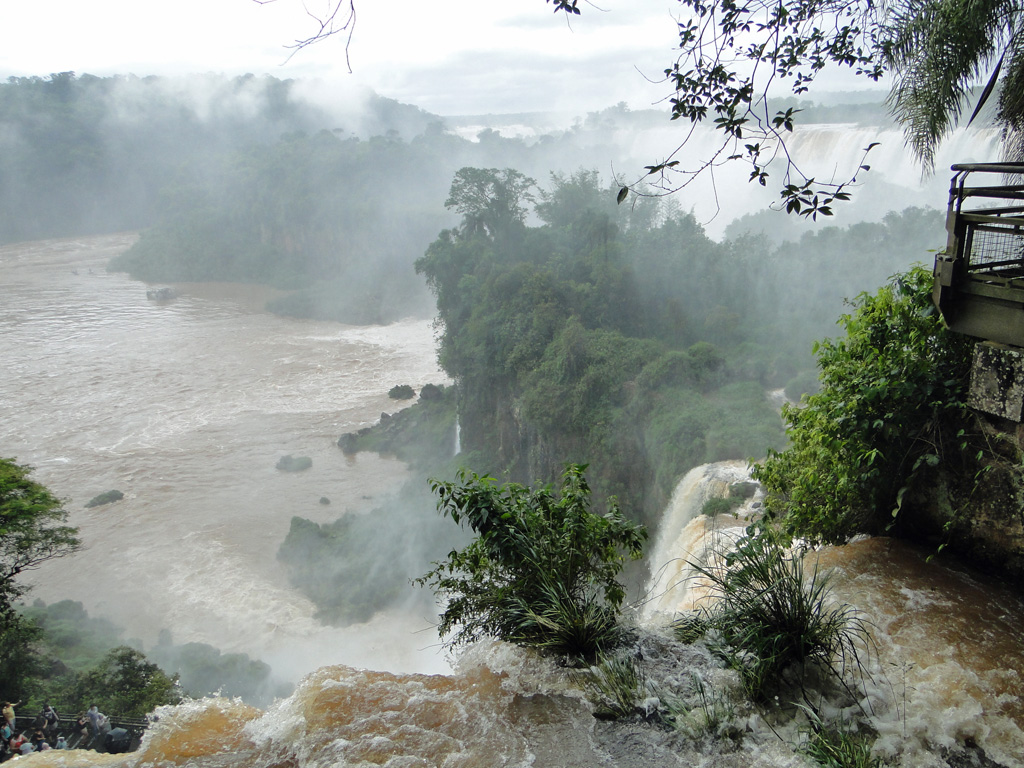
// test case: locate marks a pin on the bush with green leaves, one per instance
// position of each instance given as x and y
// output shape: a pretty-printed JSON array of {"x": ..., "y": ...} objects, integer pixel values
[
  {"x": 401, "y": 392},
  {"x": 542, "y": 570},
  {"x": 771, "y": 617},
  {"x": 890, "y": 408}
]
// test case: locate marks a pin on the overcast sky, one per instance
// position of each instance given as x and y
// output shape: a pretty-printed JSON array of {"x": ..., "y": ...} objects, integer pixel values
[{"x": 449, "y": 57}]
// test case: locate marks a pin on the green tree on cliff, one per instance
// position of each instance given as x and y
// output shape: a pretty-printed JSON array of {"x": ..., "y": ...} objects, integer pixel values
[
  {"x": 890, "y": 408},
  {"x": 32, "y": 530}
]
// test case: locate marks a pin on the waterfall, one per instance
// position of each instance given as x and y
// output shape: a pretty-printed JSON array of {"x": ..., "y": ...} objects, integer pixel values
[
  {"x": 833, "y": 153},
  {"x": 458, "y": 437},
  {"x": 686, "y": 536}
]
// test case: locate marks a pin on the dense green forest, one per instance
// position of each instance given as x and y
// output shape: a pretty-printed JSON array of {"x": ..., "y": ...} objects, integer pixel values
[
  {"x": 575, "y": 330},
  {"x": 625, "y": 337},
  {"x": 617, "y": 336}
]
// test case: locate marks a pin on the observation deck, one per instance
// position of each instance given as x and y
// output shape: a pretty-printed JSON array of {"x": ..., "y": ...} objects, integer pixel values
[{"x": 979, "y": 278}]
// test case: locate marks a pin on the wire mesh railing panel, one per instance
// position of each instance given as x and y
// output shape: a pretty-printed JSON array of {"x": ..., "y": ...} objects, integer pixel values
[{"x": 995, "y": 247}]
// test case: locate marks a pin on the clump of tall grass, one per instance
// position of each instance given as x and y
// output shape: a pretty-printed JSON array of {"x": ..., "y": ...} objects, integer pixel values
[
  {"x": 833, "y": 747},
  {"x": 772, "y": 617},
  {"x": 560, "y": 625},
  {"x": 616, "y": 685},
  {"x": 707, "y": 712}
]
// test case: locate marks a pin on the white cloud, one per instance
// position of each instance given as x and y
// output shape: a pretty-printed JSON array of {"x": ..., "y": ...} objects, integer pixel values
[{"x": 453, "y": 57}]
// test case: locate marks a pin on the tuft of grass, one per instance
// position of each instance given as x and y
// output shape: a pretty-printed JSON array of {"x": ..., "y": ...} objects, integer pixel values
[
  {"x": 709, "y": 713},
  {"x": 690, "y": 627},
  {"x": 773, "y": 616},
  {"x": 616, "y": 685},
  {"x": 832, "y": 747},
  {"x": 560, "y": 625}
]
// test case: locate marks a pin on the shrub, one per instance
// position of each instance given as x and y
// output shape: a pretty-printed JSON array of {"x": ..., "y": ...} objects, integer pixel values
[
  {"x": 542, "y": 569},
  {"x": 892, "y": 394},
  {"x": 616, "y": 685},
  {"x": 720, "y": 505},
  {"x": 401, "y": 392}
]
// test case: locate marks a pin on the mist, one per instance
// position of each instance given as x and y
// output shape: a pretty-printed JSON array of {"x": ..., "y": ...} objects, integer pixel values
[{"x": 321, "y": 200}]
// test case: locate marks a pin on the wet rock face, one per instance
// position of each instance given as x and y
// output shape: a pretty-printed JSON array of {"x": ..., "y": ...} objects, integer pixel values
[
  {"x": 978, "y": 515},
  {"x": 997, "y": 381}
]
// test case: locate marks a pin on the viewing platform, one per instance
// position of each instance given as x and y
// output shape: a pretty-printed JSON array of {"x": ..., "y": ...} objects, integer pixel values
[
  {"x": 979, "y": 282},
  {"x": 135, "y": 727},
  {"x": 979, "y": 278}
]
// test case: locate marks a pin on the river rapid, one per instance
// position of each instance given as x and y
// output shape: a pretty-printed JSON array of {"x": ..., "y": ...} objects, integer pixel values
[{"x": 186, "y": 406}]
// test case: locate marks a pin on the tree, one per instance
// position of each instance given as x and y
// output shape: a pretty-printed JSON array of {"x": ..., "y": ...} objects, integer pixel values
[
  {"x": 542, "y": 570},
  {"x": 126, "y": 683},
  {"x": 891, "y": 408},
  {"x": 32, "y": 531},
  {"x": 490, "y": 200}
]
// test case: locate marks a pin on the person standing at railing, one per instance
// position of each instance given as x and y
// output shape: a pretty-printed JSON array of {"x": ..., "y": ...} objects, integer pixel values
[
  {"x": 8, "y": 713},
  {"x": 96, "y": 719},
  {"x": 51, "y": 720}
]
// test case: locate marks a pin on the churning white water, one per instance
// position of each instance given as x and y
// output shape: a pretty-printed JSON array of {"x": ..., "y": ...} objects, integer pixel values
[
  {"x": 185, "y": 406},
  {"x": 943, "y": 668}
]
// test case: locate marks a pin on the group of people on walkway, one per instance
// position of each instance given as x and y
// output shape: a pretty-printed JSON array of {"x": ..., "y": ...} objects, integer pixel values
[{"x": 44, "y": 733}]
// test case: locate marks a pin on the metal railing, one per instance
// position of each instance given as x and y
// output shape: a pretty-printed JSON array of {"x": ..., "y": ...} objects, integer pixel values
[{"x": 68, "y": 727}]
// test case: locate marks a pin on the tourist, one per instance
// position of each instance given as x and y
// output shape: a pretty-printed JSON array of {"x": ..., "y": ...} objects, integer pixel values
[
  {"x": 82, "y": 729},
  {"x": 52, "y": 720},
  {"x": 62, "y": 743},
  {"x": 38, "y": 739},
  {"x": 96, "y": 719},
  {"x": 16, "y": 742},
  {"x": 8, "y": 712}
]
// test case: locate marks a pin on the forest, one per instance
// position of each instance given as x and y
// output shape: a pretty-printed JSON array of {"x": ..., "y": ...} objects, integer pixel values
[{"x": 621, "y": 337}]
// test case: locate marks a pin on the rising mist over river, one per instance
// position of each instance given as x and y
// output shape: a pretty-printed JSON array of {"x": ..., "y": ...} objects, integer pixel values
[{"x": 186, "y": 405}]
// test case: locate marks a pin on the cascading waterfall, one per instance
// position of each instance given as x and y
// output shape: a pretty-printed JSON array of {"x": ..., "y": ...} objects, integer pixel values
[
  {"x": 458, "y": 437},
  {"x": 686, "y": 536},
  {"x": 942, "y": 669},
  {"x": 950, "y": 647}
]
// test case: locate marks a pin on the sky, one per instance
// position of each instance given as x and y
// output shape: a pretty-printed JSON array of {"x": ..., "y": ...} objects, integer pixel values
[{"x": 453, "y": 57}]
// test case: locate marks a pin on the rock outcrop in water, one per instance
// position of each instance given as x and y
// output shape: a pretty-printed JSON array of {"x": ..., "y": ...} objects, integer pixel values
[
  {"x": 108, "y": 497},
  {"x": 291, "y": 463}
]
